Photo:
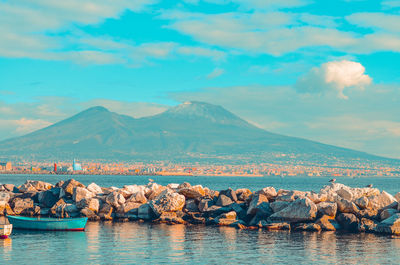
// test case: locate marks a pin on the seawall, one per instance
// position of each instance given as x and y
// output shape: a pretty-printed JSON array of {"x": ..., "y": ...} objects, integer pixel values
[{"x": 335, "y": 207}]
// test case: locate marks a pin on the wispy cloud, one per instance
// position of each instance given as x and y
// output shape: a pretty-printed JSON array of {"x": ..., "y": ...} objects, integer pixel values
[{"x": 216, "y": 73}]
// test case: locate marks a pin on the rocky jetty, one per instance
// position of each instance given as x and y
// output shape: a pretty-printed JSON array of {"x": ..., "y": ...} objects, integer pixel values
[{"x": 334, "y": 207}]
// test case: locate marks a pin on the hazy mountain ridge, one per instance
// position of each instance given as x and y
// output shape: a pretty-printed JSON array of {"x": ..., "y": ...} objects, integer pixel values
[{"x": 186, "y": 132}]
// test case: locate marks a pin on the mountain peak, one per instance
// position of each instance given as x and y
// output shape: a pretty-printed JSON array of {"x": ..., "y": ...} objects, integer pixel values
[{"x": 96, "y": 109}]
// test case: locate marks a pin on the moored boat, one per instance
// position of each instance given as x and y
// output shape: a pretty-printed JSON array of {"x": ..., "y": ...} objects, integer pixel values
[
  {"x": 48, "y": 223},
  {"x": 5, "y": 230}
]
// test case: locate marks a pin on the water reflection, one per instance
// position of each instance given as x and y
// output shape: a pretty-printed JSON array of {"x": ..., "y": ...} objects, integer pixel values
[{"x": 122, "y": 243}]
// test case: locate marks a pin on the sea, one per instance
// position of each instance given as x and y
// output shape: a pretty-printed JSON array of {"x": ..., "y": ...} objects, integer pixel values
[{"x": 144, "y": 243}]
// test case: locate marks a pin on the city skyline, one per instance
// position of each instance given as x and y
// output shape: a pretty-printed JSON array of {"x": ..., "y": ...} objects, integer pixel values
[{"x": 338, "y": 83}]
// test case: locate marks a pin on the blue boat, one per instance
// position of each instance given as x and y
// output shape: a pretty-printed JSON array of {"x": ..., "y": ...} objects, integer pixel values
[{"x": 48, "y": 223}]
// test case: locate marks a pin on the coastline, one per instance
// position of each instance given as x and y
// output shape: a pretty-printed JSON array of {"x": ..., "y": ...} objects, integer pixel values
[{"x": 335, "y": 207}]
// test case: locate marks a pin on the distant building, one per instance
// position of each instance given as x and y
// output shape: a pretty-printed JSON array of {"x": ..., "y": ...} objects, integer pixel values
[
  {"x": 5, "y": 166},
  {"x": 76, "y": 166}
]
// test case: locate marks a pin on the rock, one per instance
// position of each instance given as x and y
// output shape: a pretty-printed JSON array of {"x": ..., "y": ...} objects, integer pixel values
[
  {"x": 348, "y": 222},
  {"x": 243, "y": 194},
  {"x": 115, "y": 199},
  {"x": 368, "y": 213},
  {"x": 230, "y": 193},
  {"x": 47, "y": 198},
  {"x": 9, "y": 187},
  {"x": 298, "y": 211},
  {"x": 390, "y": 225},
  {"x": 276, "y": 206},
  {"x": 91, "y": 215},
  {"x": 240, "y": 211},
  {"x": 167, "y": 201},
  {"x": 5, "y": 209},
  {"x": 58, "y": 192},
  {"x": 59, "y": 184},
  {"x": 44, "y": 211},
  {"x": 145, "y": 212},
  {"x": 70, "y": 185},
  {"x": 94, "y": 188},
  {"x": 307, "y": 227},
  {"x": 327, "y": 208},
  {"x": 396, "y": 196},
  {"x": 53, "y": 209},
  {"x": 362, "y": 202},
  {"x": 383, "y": 200},
  {"x": 223, "y": 200},
  {"x": 224, "y": 219},
  {"x": 345, "y": 193},
  {"x": 255, "y": 201},
  {"x": 262, "y": 213},
  {"x": 34, "y": 185},
  {"x": 239, "y": 224},
  {"x": 90, "y": 203},
  {"x": 5, "y": 196},
  {"x": 19, "y": 205},
  {"x": 204, "y": 204},
  {"x": 184, "y": 185},
  {"x": 367, "y": 225},
  {"x": 268, "y": 192},
  {"x": 387, "y": 213},
  {"x": 346, "y": 206},
  {"x": 191, "y": 206},
  {"x": 67, "y": 210},
  {"x": 128, "y": 208},
  {"x": 106, "y": 212},
  {"x": 173, "y": 186},
  {"x": 277, "y": 226},
  {"x": 328, "y": 223},
  {"x": 291, "y": 196},
  {"x": 81, "y": 193},
  {"x": 153, "y": 190},
  {"x": 194, "y": 218},
  {"x": 192, "y": 192},
  {"x": 316, "y": 197},
  {"x": 138, "y": 197}
]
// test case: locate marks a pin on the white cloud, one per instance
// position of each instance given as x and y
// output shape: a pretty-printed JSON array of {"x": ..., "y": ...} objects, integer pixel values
[
  {"x": 216, "y": 55},
  {"x": 215, "y": 73},
  {"x": 335, "y": 75},
  {"x": 379, "y": 21}
]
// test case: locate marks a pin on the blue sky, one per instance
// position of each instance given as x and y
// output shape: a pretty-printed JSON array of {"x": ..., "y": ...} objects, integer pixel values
[{"x": 322, "y": 70}]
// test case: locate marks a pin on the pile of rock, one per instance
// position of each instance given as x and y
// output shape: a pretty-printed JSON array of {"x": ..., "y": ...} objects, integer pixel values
[{"x": 334, "y": 207}]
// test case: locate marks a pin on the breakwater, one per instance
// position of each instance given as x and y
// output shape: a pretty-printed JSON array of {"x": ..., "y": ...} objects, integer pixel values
[{"x": 334, "y": 207}]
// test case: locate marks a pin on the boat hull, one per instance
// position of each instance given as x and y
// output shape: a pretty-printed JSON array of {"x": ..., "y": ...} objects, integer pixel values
[{"x": 48, "y": 224}]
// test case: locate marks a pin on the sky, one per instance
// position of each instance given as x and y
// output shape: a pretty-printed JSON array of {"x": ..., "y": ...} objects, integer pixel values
[{"x": 323, "y": 70}]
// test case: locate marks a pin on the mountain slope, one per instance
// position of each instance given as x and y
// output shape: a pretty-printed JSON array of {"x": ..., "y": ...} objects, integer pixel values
[{"x": 189, "y": 131}]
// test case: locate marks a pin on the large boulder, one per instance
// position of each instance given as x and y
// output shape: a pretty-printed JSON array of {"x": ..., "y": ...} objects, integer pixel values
[
  {"x": 243, "y": 194},
  {"x": 385, "y": 214},
  {"x": 307, "y": 227},
  {"x": 9, "y": 187},
  {"x": 115, "y": 199},
  {"x": 367, "y": 225},
  {"x": 34, "y": 185},
  {"x": 128, "y": 208},
  {"x": 204, "y": 204},
  {"x": 20, "y": 205},
  {"x": 5, "y": 209},
  {"x": 191, "y": 206},
  {"x": 348, "y": 222},
  {"x": 106, "y": 211},
  {"x": 5, "y": 196},
  {"x": 345, "y": 193},
  {"x": 316, "y": 197},
  {"x": 268, "y": 192},
  {"x": 82, "y": 193},
  {"x": 381, "y": 201},
  {"x": 192, "y": 192},
  {"x": 138, "y": 197},
  {"x": 291, "y": 196},
  {"x": 223, "y": 200},
  {"x": 276, "y": 206},
  {"x": 362, "y": 202},
  {"x": 328, "y": 223},
  {"x": 70, "y": 185},
  {"x": 255, "y": 201},
  {"x": 67, "y": 210},
  {"x": 89, "y": 203},
  {"x": 145, "y": 212},
  {"x": 230, "y": 193},
  {"x": 47, "y": 198},
  {"x": 390, "y": 225},
  {"x": 225, "y": 219},
  {"x": 91, "y": 215},
  {"x": 298, "y": 211},
  {"x": 94, "y": 188},
  {"x": 153, "y": 190},
  {"x": 346, "y": 206},
  {"x": 167, "y": 201},
  {"x": 327, "y": 208}
]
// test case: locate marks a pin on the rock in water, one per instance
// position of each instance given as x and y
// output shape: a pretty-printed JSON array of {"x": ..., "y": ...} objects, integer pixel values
[
  {"x": 69, "y": 186},
  {"x": 268, "y": 192},
  {"x": 47, "y": 198},
  {"x": 328, "y": 223},
  {"x": 367, "y": 225},
  {"x": 298, "y": 211},
  {"x": 167, "y": 201},
  {"x": 390, "y": 225},
  {"x": 115, "y": 199},
  {"x": 81, "y": 193},
  {"x": 192, "y": 192},
  {"x": 5, "y": 196},
  {"x": 348, "y": 221},
  {"x": 224, "y": 200},
  {"x": 255, "y": 202},
  {"x": 93, "y": 187},
  {"x": 327, "y": 208}
]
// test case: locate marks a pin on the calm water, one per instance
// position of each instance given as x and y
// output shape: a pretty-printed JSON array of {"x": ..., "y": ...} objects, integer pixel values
[{"x": 140, "y": 243}]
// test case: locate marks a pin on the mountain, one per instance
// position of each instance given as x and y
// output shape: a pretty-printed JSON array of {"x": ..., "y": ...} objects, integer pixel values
[{"x": 191, "y": 131}]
